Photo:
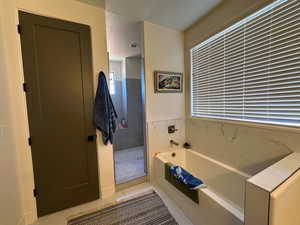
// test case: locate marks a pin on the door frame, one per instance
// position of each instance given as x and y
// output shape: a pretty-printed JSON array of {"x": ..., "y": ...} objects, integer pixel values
[{"x": 146, "y": 177}]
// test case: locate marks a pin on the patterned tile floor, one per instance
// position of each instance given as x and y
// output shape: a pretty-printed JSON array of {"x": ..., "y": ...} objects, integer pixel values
[{"x": 129, "y": 164}]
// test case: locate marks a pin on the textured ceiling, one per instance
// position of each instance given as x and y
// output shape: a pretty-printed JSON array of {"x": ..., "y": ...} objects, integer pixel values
[{"x": 175, "y": 14}]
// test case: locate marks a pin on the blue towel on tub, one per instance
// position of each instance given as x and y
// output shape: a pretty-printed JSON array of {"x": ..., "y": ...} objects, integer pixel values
[{"x": 185, "y": 177}]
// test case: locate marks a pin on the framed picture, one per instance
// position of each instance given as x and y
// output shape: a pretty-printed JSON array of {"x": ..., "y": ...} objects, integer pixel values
[{"x": 168, "y": 82}]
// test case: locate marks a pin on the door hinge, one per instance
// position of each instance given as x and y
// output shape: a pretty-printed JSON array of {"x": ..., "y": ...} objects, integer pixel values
[
  {"x": 35, "y": 193},
  {"x": 25, "y": 87},
  {"x": 29, "y": 141},
  {"x": 19, "y": 29}
]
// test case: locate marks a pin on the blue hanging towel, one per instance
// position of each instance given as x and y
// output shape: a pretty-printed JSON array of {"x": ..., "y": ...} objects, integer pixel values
[
  {"x": 104, "y": 111},
  {"x": 185, "y": 177}
]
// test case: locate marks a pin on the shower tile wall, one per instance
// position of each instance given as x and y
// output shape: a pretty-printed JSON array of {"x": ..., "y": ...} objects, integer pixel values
[
  {"x": 117, "y": 100},
  {"x": 133, "y": 135}
]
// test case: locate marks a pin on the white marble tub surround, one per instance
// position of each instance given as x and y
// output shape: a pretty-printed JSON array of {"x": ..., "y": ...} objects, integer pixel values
[
  {"x": 261, "y": 193},
  {"x": 159, "y": 138},
  {"x": 219, "y": 204},
  {"x": 270, "y": 178},
  {"x": 285, "y": 201}
]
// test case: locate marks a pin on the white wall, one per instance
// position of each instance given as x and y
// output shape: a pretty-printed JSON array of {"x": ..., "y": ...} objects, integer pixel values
[
  {"x": 68, "y": 10},
  {"x": 11, "y": 212},
  {"x": 121, "y": 33},
  {"x": 163, "y": 50}
]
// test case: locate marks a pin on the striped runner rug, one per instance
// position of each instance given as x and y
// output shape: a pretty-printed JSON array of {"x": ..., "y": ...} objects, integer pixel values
[{"x": 148, "y": 209}]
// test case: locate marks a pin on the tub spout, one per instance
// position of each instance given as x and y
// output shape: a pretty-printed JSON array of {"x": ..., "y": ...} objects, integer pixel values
[{"x": 172, "y": 142}]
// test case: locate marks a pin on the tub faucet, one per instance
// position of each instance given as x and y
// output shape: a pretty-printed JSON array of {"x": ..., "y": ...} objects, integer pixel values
[{"x": 172, "y": 142}]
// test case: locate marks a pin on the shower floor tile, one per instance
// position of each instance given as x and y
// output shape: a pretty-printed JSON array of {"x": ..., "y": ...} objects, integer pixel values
[{"x": 129, "y": 164}]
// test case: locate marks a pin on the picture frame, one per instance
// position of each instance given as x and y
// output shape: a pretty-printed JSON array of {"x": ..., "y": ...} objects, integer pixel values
[{"x": 168, "y": 82}]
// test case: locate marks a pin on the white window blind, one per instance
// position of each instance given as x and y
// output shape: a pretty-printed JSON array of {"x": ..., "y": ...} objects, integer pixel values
[{"x": 251, "y": 71}]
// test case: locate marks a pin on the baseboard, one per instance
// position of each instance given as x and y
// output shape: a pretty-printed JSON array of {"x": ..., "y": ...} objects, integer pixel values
[
  {"x": 22, "y": 221},
  {"x": 29, "y": 218},
  {"x": 123, "y": 186},
  {"x": 107, "y": 191}
]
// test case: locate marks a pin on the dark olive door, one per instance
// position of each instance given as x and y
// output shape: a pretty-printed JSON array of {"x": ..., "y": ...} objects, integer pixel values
[{"x": 58, "y": 75}]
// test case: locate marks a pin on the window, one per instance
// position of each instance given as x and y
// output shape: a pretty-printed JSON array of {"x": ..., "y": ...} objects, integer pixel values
[
  {"x": 251, "y": 71},
  {"x": 112, "y": 86}
]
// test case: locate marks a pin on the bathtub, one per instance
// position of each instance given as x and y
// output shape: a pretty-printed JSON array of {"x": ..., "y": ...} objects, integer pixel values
[{"x": 221, "y": 203}]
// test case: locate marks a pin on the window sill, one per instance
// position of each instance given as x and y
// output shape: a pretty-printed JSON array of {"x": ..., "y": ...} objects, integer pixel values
[{"x": 265, "y": 126}]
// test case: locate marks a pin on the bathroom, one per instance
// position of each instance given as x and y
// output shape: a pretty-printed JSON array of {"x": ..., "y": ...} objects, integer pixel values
[{"x": 244, "y": 151}]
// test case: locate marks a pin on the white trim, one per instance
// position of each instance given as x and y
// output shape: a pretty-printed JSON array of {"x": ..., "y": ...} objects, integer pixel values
[
  {"x": 107, "y": 191},
  {"x": 22, "y": 221},
  {"x": 30, "y": 217}
]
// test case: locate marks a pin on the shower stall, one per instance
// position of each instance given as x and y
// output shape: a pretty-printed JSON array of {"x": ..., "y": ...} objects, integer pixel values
[{"x": 126, "y": 91}]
